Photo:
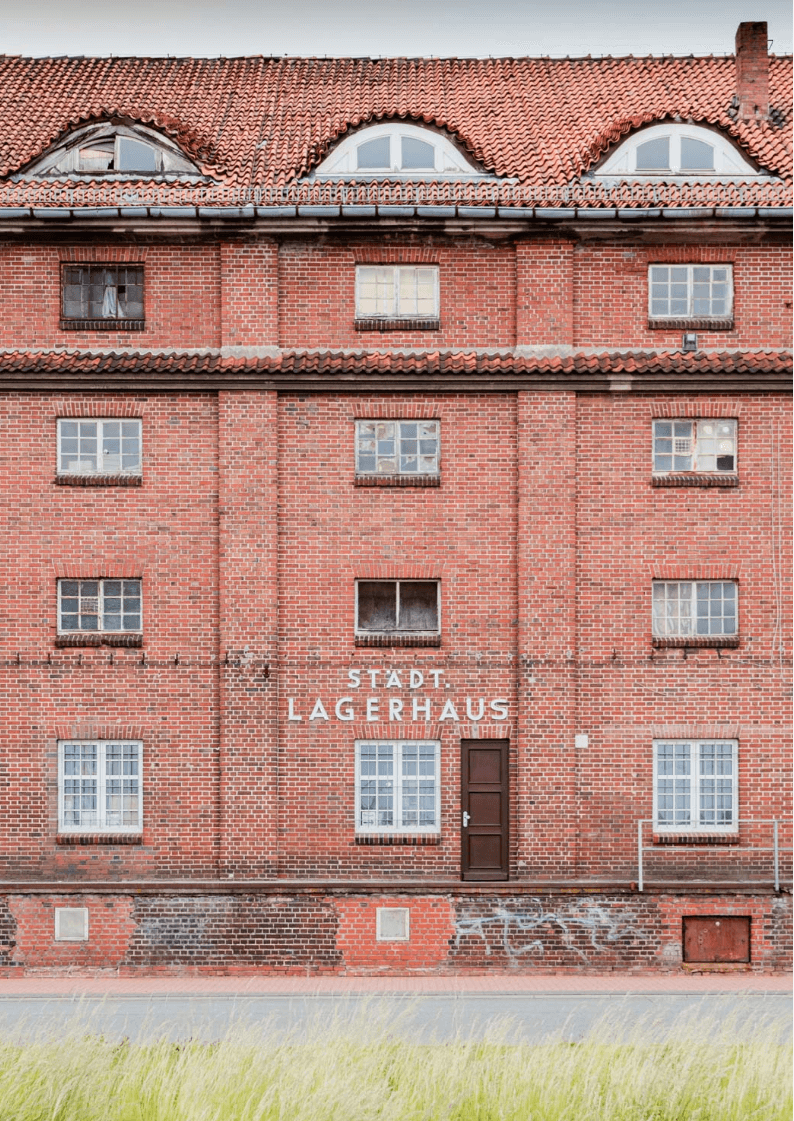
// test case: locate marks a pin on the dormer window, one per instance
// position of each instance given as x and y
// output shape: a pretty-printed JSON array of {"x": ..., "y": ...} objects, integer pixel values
[
  {"x": 108, "y": 149},
  {"x": 397, "y": 150},
  {"x": 676, "y": 151}
]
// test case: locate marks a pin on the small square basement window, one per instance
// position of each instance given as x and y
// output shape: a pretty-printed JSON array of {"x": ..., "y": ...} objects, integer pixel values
[
  {"x": 71, "y": 924},
  {"x": 393, "y": 924}
]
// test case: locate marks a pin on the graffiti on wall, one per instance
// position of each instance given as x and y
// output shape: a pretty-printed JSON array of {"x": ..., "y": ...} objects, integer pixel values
[{"x": 513, "y": 929}]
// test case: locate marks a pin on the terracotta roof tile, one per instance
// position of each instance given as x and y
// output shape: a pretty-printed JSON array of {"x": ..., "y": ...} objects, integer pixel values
[
  {"x": 259, "y": 122},
  {"x": 331, "y": 364}
]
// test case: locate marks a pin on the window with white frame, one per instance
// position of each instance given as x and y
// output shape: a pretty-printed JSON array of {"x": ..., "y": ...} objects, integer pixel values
[
  {"x": 396, "y": 292},
  {"x": 105, "y": 148},
  {"x": 397, "y": 149},
  {"x": 676, "y": 151},
  {"x": 398, "y": 607},
  {"x": 397, "y": 786},
  {"x": 695, "y": 785},
  {"x": 99, "y": 606},
  {"x": 397, "y": 447},
  {"x": 705, "y": 447},
  {"x": 694, "y": 608},
  {"x": 690, "y": 291},
  {"x": 99, "y": 447},
  {"x": 99, "y": 786}
]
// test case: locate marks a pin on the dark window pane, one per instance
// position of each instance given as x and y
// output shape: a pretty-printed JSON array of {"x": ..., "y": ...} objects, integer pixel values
[
  {"x": 377, "y": 605},
  {"x": 419, "y": 606}
]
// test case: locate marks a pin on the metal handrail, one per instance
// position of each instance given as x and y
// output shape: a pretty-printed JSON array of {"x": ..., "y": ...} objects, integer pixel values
[{"x": 775, "y": 848}]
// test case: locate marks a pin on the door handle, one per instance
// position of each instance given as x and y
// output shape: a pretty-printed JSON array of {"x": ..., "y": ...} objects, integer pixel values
[{"x": 465, "y": 819}]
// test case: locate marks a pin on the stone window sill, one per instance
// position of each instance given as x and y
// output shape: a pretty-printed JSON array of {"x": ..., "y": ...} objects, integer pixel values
[
  {"x": 695, "y": 641},
  {"x": 684, "y": 324},
  {"x": 398, "y": 839},
  {"x": 103, "y": 324},
  {"x": 426, "y": 324},
  {"x": 694, "y": 480},
  {"x": 397, "y": 481},
  {"x": 99, "y": 839},
  {"x": 99, "y": 640},
  {"x": 398, "y": 640},
  {"x": 99, "y": 480},
  {"x": 696, "y": 838}
]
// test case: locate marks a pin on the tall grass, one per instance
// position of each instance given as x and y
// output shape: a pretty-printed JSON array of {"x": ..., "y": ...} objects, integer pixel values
[{"x": 360, "y": 1073}]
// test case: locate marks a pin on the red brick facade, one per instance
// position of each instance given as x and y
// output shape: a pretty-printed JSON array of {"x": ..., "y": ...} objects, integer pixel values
[{"x": 545, "y": 529}]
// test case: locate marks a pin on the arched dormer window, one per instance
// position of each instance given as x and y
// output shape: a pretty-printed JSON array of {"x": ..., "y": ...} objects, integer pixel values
[
  {"x": 113, "y": 149},
  {"x": 678, "y": 151},
  {"x": 396, "y": 149}
]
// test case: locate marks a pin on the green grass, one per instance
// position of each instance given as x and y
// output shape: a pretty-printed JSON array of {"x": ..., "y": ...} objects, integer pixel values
[{"x": 362, "y": 1072}]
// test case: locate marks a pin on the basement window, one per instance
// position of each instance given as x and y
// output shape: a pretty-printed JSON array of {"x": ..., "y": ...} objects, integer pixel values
[
  {"x": 695, "y": 612},
  {"x": 402, "y": 448},
  {"x": 99, "y": 786},
  {"x": 102, "y": 298},
  {"x": 99, "y": 447},
  {"x": 694, "y": 786},
  {"x": 97, "y": 612},
  {"x": 398, "y": 612},
  {"x": 397, "y": 786}
]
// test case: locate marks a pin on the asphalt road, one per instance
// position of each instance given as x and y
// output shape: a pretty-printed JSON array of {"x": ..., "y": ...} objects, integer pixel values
[{"x": 507, "y": 1016}]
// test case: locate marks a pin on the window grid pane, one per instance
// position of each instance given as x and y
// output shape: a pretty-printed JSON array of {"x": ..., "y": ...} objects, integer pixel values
[
  {"x": 102, "y": 292},
  {"x": 699, "y": 608},
  {"x": 396, "y": 292},
  {"x": 690, "y": 291},
  {"x": 100, "y": 786},
  {"x": 101, "y": 606},
  {"x": 99, "y": 447},
  {"x": 405, "y": 447},
  {"x": 398, "y": 786},
  {"x": 696, "y": 785}
]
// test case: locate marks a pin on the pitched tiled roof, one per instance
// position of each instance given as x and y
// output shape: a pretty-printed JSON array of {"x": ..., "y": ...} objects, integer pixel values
[
  {"x": 336, "y": 366},
  {"x": 258, "y": 122}
]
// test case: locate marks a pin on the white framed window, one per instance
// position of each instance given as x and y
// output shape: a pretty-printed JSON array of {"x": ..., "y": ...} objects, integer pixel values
[
  {"x": 397, "y": 292},
  {"x": 398, "y": 786},
  {"x": 398, "y": 607},
  {"x": 682, "y": 151},
  {"x": 99, "y": 447},
  {"x": 397, "y": 447},
  {"x": 690, "y": 291},
  {"x": 695, "y": 785},
  {"x": 706, "y": 447},
  {"x": 399, "y": 149},
  {"x": 99, "y": 786},
  {"x": 694, "y": 608},
  {"x": 101, "y": 606}
]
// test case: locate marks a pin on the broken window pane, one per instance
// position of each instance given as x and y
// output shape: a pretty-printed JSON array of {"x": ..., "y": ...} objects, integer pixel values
[{"x": 102, "y": 292}]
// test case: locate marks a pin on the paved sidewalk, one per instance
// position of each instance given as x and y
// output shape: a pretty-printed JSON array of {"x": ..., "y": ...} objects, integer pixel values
[{"x": 541, "y": 983}]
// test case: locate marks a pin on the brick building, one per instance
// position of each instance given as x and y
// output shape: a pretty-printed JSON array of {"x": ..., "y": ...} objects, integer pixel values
[{"x": 394, "y": 493}]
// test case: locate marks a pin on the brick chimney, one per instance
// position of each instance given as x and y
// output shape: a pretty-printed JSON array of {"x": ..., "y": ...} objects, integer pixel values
[{"x": 752, "y": 71}]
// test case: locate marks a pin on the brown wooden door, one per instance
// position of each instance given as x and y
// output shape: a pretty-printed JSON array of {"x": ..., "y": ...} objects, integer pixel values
[{"x": 484, "y": 805}]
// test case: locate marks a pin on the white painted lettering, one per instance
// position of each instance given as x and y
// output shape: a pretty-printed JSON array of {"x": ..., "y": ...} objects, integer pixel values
[
  {"x": 318, "y": 712},
  {"x": 372, "y": 707},
  {"x": 374, "y": 674},
  {"x": 395, "y": 708},
  {"x": 436, "y": 673},
  {"x": 424, "y": 706},
  {"x": 499, "y": 708},
  {"x": 448, "y": 712},
  {"x": 475, "y": 716},
  {"x": 354, "y": 677},
  {"x": 291, "y": 709},
  {"x": 417, "y": 678},
  {"x": 393, "y": 680},
  {"x": 344, "y": 713}
]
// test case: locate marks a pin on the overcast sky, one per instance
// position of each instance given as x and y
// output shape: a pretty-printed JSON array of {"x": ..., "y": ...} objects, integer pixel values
[{"x": 383, "y": 27}]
